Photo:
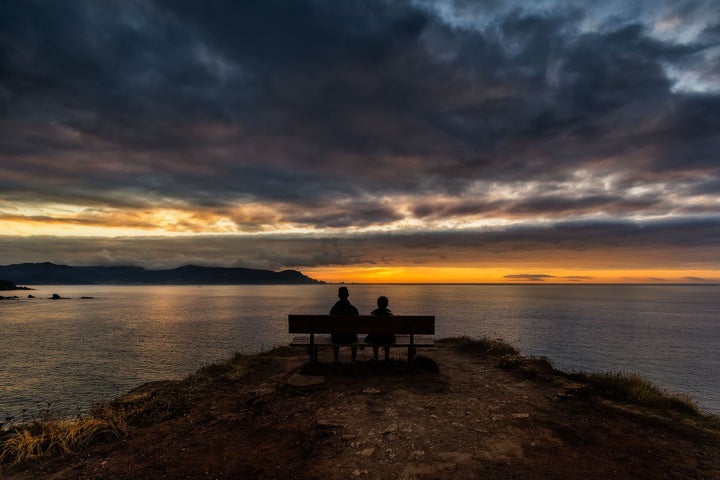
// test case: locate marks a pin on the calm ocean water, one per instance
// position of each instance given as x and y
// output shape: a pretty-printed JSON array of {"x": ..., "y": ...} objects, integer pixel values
[{"x": 70, "y": 353}]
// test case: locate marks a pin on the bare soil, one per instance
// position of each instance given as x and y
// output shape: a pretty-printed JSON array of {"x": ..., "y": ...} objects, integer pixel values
[{"x": 469, "y": 420}]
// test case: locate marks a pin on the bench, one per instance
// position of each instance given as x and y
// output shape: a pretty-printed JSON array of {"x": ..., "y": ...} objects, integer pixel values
[{"x": 410, "y": 332}]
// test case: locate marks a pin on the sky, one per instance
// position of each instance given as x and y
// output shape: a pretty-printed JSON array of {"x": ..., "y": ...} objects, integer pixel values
[{"x": 454, "y": 141}]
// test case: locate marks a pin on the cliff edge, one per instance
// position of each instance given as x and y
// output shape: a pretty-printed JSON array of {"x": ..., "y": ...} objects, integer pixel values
[{"x": 478, "y": 415}]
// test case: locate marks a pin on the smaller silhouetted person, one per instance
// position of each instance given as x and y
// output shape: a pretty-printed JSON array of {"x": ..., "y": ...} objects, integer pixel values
[
  {"x": 344, "y": 307},
  {"x": 382, "y": 310}
]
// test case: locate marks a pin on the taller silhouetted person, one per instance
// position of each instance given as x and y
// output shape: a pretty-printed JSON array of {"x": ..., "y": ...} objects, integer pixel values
[{"x": 344, "y": 307}]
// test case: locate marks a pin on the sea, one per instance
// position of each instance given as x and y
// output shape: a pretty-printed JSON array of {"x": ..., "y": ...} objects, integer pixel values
[{"x": 64, "y": 355}]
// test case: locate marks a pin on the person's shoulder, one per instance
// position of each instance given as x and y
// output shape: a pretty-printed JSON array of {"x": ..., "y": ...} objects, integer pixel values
[{"x": 336, "y": 309}]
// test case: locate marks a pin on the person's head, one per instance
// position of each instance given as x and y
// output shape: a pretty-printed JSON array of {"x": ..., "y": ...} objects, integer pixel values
[
  {"x": 382, "y": 302},
  {"x": 343, "y": 292}
]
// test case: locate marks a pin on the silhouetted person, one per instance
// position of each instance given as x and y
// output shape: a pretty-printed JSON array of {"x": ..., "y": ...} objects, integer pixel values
[
  {"x": 344, "y": 307},
  {"x": 382, "y": 310}
]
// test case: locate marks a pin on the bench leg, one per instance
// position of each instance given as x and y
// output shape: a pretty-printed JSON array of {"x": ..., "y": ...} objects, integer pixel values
[
  {"x": 353, "y": 353},
  {"x": 375, "y": 353},
  {"x": 387, "y": 353},
  {"x": 312, "y": 353}
]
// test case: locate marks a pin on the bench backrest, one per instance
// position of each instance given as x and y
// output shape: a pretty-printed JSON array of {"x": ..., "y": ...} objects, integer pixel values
[{"x": 400, "y": 324}]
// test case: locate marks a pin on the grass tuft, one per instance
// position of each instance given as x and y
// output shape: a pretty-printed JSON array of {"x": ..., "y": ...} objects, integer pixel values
[
  {"x": 634, "y": 389},
  {"x": 483, "y": 345},
  {"x": 536, "y": 368},
  {"x": 49, "y": 435}
]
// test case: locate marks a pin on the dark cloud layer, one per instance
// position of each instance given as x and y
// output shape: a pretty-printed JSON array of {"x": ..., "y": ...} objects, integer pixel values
[{"x": 362, "y": 113}]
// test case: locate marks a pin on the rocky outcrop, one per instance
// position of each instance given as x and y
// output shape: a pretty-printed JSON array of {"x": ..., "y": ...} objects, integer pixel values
[{"x": 7, "y": 285}]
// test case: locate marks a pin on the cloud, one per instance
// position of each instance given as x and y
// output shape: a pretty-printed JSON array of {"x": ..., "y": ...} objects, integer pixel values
[
  {"x": 471, "y": 129},
  {"x": 333, "y": 81},
  {"x": 701, "y": 280},
  {"x": 532, "y": 277},
  {"x": 541, "y": 277}
]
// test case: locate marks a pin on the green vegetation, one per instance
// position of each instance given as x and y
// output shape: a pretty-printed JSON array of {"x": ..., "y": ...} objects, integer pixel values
[
  {"x": 484, "y": 346},
  {"x": 633, "y": 389}
]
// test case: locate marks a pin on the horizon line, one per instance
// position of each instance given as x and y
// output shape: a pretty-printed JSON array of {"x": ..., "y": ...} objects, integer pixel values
[{"x": 321, "y": 282}]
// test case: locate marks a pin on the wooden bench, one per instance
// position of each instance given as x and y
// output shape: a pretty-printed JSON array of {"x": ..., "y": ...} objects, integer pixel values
[{"x": 410, "y": 331}]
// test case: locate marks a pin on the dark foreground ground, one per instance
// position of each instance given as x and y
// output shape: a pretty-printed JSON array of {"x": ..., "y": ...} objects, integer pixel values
[{"x": 471, "y": 420}]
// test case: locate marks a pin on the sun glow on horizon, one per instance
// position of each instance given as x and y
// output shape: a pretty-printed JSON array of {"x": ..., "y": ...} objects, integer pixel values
[{"x": 507, "y": 275}]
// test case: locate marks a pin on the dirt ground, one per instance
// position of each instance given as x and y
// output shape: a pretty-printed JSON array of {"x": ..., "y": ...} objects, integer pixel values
[{"x": 470, "y": 420}]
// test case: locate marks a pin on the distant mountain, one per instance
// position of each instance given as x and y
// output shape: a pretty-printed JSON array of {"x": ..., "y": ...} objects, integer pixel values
[{"x": 52, "y": 274}]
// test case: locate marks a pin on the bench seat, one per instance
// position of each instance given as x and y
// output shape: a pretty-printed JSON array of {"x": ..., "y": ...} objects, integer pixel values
[
  {"x": 411, "y": 331},
  {"x": 400, "y": 341}
]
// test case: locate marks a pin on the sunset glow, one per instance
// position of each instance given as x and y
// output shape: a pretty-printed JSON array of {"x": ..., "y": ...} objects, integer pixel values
[{"x": 470, "y": 275}]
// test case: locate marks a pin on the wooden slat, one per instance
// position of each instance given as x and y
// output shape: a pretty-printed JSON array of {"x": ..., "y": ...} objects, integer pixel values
[
  {"x": 325, "y": 341},
  {"x": 397, "y": 324}
]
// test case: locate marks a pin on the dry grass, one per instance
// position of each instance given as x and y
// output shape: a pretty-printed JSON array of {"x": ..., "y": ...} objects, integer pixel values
[{"x": 50, "y": 435}]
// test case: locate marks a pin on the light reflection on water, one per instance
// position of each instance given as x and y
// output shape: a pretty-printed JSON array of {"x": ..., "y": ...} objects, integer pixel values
[{"x": 72, "y": 352}]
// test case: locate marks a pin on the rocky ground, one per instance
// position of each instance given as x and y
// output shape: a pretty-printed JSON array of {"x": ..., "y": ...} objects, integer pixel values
[{"x": 469, "y": 420}]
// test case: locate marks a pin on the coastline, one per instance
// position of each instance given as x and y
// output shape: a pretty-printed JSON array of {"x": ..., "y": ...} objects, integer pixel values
[{"x": 378, "y": 418}]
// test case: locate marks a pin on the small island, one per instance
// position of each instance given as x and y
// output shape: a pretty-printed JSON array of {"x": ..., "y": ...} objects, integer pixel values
[{"x": 6, "y": 285}]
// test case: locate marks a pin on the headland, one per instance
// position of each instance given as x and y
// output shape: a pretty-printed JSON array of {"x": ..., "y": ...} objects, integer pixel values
[{"x": 466, "y": 409}]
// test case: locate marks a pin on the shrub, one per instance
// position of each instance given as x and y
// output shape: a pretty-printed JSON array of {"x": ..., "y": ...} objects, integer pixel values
[
  {"x": 482, "y": 345},
  {"x": 634, "y": 389}
]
